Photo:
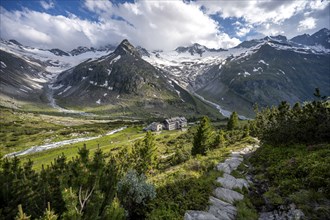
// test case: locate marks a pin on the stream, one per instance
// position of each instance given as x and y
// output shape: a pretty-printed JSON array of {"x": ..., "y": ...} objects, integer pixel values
[
  {"x": 44, "y": 147},
  {"x": 222, "y": 111},
  {"x": 52, "y": 102}
]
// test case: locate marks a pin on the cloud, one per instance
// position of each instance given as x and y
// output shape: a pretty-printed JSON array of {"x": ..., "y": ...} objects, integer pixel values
[
  {"x": 271, "y": 17},
  {"x": 151, "y": 24},
  {"x": 163, "y": 24},
  {"x": 308, "y": 23},
  {"x": 44, "y": 30},
  {"x": 47, "y": 5},
  {"x": 242, "y": 32}
]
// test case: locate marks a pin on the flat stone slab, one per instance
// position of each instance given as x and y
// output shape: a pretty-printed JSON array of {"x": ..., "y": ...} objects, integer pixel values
[
  {"x": 222, "y": 210},
  {"x": 199, "y": 215},
  {"x": 234, "y": 162},
  {"x": 223, "y": 167},
  {"x": 230, "y": 182},
  {"x": 227, "y": 195},
  {"x": 235, "y": 154},
  {"x": 249, "y": 149},
  {"x": 230, "y": 164}
]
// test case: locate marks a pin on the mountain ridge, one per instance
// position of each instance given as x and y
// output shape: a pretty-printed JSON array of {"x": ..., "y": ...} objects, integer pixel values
[{"x": 127, "y": 70}]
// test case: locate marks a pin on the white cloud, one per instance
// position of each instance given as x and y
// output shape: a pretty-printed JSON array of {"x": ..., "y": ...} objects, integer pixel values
[
  {"x": 99, "y": 6},
  {"x": 271, "y": 17},
  {"x": 241, "y": 32},
  {"x": 308, "y": 23},
  {"x": 44, "y": 30},
  {"x": 47, "y": 5},
  {"x": 163, "y": 24},
  {"x": 151, "y": 24}
]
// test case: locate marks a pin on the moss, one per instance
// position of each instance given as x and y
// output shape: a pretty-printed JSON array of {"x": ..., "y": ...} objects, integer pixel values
[
  {"x": 296, "y": 174},
  {"x": 273, "y": 197},
  {"x": 245, "y": 210}
]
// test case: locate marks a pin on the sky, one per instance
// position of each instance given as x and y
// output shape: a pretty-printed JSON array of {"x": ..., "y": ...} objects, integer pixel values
[{"x": 157, "y": 24}]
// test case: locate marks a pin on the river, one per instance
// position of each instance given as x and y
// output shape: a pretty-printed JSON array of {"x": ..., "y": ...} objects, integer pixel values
[
  {"x": 44, "y": 147},
  {"x": 222, "y": 111}
]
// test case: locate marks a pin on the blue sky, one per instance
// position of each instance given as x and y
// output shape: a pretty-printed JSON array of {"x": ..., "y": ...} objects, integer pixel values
[{"x": 162, "y": 24}]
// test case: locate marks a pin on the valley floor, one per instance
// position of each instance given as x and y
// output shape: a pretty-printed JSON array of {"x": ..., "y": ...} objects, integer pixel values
[{"x": 284, "y": 181}]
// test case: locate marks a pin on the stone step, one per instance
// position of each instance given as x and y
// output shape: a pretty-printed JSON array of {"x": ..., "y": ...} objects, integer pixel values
[
  {"x": 230, "y": 182},
  {"x": 227, "y": 195},
  {"x": 218, "y": 209},
  {"x": 229, "y": 165},
  {"x": 199, "y": 215},
  {"x": 222, "y": 210}
]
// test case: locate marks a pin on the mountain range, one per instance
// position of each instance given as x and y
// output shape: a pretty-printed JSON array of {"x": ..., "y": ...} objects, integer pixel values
[{"x": 128, "y": 81}]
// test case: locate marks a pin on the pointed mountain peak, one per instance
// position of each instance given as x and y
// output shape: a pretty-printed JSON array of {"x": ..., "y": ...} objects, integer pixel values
[
  {"x": 323, "y": 32},
  {"x": 126, "y": 48},
  {"x": 326, "y": 30},
  {"x": 15, "y": 42}
]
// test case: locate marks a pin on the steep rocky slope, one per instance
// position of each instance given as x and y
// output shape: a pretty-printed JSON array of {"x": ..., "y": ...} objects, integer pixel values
[{"x": 123, "y": 83}]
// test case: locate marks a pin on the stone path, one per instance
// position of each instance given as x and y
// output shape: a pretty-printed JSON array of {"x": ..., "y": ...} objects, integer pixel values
[{"x": 221, "y": 202}]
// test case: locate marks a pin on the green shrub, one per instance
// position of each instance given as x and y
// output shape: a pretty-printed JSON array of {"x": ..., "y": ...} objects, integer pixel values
[
  {"x": 245, "y": 210},
  {"x": 134, "y": 193}
]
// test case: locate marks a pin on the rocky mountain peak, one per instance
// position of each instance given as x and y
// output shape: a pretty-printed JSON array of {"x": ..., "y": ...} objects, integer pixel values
[
  {"x": 80, "y": 50},
  {"x": 15, "y": 42},
  {"x": 320, "y": 38},
  {"x": 59, "y": 52},
  {"x": 126, "y": 48}
]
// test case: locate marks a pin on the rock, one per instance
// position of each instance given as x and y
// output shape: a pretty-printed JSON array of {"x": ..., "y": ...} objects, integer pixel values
[
  {"x": 227, "y": 195},
  {"x": 297, "y": 214},
  {"x": 234, "y": 162},
  {"x": 222, "y": 210},
  {"x": 223, "y": 167},
  {"x": 235, "y": 154},
  {"x": 246, "y": 150},
  {"x": 249, "y": 149},
  {"x": 198, "y": 215},
  {"x": 230, "y": 182},
  {"x": 230, "y": 164},
  {"x": 293, "y": 214}
]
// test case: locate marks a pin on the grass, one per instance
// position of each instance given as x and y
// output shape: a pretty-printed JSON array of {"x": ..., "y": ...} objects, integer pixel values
[
  {"x": 245, "y": 210},
  {"x": 188, "y": 185},
  {"x": 106, "y": 143},
  {"x": 296, "y": 174},
  {"x": 182, "y": 182},
  {"x": 21, "y": 130}
]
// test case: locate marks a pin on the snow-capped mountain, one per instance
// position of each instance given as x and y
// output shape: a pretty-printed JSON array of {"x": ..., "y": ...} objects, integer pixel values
[
  {"x": 26, "y": 70},
  {"x": 53, "y": 60},
  {"x": 185, "y": 64},
  {"x": 256, "y": 62},
  {"x": 264, "y": 71},
  {"x": 197, "y": 49},
  {"x": 320, "y": 38},
  {"x": 125, "y": 83}
]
